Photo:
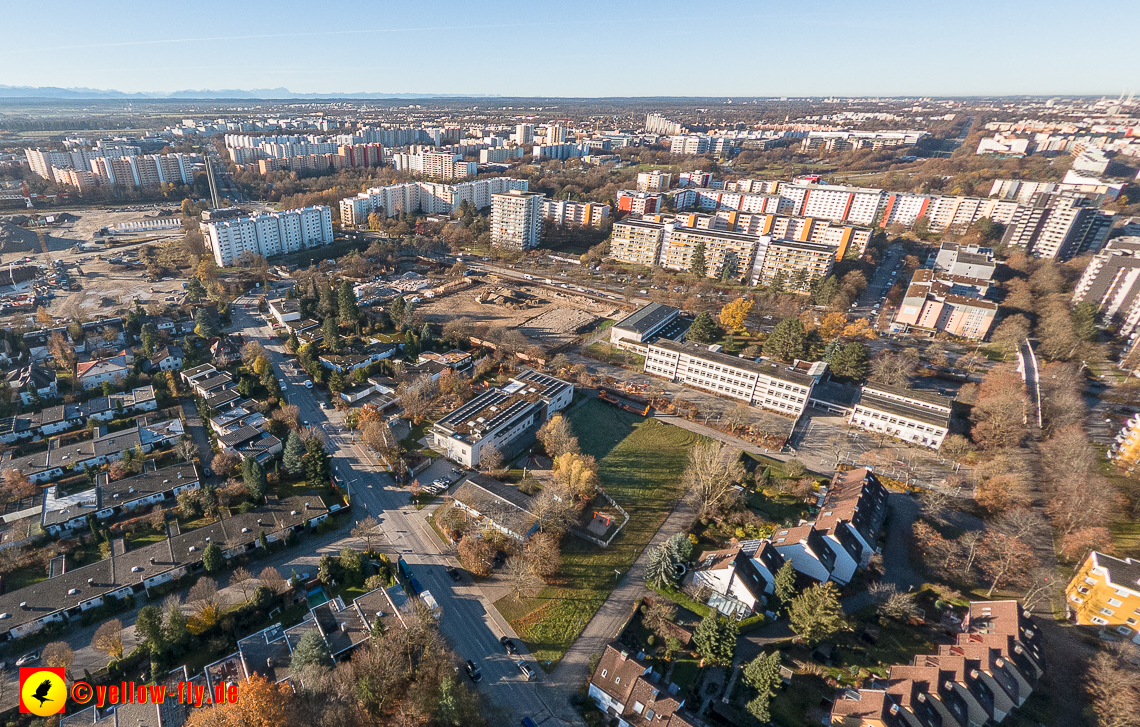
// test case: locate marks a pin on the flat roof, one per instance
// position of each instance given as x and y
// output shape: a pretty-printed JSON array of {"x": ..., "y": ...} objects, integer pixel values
[
  {"x": 697, "y": 350},
  {"x": 646, "y": 319},
  {"x": 916, "y": 413},
  {"x": 931, "y": 397}
]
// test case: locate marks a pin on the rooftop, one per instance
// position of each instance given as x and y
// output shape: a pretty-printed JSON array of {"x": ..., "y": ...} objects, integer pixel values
[
  {"x": 647, "y": 319},
  {"x": 767, "y": 368},
  {"x": 898, "y": 408}
]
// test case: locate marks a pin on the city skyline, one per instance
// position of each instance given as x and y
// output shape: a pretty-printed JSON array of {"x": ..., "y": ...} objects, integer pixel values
[{"x": 881, "y": 48}]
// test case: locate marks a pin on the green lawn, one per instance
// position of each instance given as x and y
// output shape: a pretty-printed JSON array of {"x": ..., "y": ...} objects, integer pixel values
[
  {"x": 604, "y": 351},
  {"x": 774, "y": 507},
  {"x": 1126, "y": 538},
  {"x": 639, "y": 463},
  {"x": 138, "y": 540}
]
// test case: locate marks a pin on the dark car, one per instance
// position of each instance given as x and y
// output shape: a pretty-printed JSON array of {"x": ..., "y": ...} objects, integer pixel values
[
  {"x": 508, "y": 645},
  {"x": 473, "y": 671},
  {"x": 416, "y": 586},
  {"x": 454, "y": 573},
  {"x": 208, "y": 472}
]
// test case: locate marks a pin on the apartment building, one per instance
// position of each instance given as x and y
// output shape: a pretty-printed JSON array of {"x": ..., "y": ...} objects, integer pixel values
[
  {"x": 505, "y": 418},
  {"x": 423, "y": 197},
  {"x": 637, "y": 241},
  {"x": 524, "y": 134},
  {"x": 993, "y": 667},
  {"x": 1059, "y": 226},
  {"x": 126, "y": 168},
  {"x": 1105, "y": 593},
  {"x": 639, "y": 203},
  {"x": 857, "y": 205},
  {"x": 1125, "y": 448},
  {"x": 792, "y": 258},
  {"x": 937, "y": 304},
  {"x": 967, "y": 261},
  {"x": 516, "y": 220},
  {"x": 1111, "y": 282},
  {"x": 773, "y": 386},
  {"x": 269, "y": 233},
  {"x": 844, "y": 239},
  {"x": 582, "y": 214},
  {"x": 720, "y": 199},
  {"x": 655, "y": 181},
  {"x": 559, "y": 151},
  {"x": 436, "y": 165},
  {"x": 723, "y": 250},
  {"x": 657, "y": 124},
  {"x": 689, "y": 144},
  {"x": 917, "y": 417},
  {"x": 500, "y": 155}
]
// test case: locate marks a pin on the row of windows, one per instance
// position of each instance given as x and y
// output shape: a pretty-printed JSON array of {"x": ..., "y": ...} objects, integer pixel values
[{"x": 905, "y": 422}]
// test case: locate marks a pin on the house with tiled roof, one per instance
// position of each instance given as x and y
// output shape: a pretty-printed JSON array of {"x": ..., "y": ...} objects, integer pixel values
[
  {"x": 630, "y": 691},
  {"x": 737, "y": 578},
  {"x": 500, "y": 505},
  {"x": 167, "y": 358},
  {"x": 91, "y": 374},
  {"x": 991, "y": 670},
  {"x": 25, "y": 379}
]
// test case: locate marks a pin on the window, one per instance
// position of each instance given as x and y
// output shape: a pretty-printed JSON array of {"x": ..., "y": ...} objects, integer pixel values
[
  {"x": 1107, "y": 611},
  {"x": 638, "y": 707},
  {"x": 617, "y": 680},
  {"x": 604, "y": 672},
  {"x": 1114, "y": 602},
  {"x": 649, "y": 715}
]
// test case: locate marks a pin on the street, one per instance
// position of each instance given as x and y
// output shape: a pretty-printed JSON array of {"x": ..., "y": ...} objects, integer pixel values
[{"x": 469, "y": 621}]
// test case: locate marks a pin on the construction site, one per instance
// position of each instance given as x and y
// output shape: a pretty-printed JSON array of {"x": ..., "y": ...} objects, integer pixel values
[{"x": 546, "y": 316}]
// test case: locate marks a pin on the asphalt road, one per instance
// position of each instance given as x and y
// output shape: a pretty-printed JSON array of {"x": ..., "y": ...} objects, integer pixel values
[{"x": 469, "y": 622}]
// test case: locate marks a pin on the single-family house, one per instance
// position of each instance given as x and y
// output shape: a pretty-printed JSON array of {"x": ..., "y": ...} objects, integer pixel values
[
  {"x": 167, "y": 358},
  {"x": 32, "y": 379},
  {"x": 91, "y": 374},
  {"x": 502, "y": 506}
]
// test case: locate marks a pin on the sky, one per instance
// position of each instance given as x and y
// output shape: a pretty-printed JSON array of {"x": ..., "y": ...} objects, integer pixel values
[{"x": 577, "y": 49}]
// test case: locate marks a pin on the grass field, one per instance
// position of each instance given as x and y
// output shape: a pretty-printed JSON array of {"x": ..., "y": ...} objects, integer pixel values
[{"x": 639, "y": 463}]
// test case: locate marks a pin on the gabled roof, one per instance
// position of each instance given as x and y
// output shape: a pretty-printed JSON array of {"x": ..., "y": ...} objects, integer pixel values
[{"x": 617, "y": 673}]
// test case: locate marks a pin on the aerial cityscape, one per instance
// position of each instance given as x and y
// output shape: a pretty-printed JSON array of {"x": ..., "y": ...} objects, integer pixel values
[{"x": 401, "y": 396}]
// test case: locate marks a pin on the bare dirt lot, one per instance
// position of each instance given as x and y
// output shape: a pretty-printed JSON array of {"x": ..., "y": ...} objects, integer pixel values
[
  {"x": 106, "y": 289},
  {"x": 550, "y": 317}
]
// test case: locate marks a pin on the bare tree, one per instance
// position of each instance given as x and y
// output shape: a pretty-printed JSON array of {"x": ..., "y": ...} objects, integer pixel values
[
  {"x": 711, "y": 476},
  {"x": 208, "y": 603},
  {"x": 58, "y": 654},
  {"x": 108, "y": 638},
  {"x": 543, "y": 555},
  {"x": 490, "y": 459},
  {"x": 271, "y": 579},
  {"x": 186, "y": 449},
  {"x": 554, "y": 508},
  {"x": 242, "y": 580},
  {"x": 657, "y": 614},
  {"x": 522, "y": 578},
  {"x": 738, "y": 417},
  {"x": 1112, "y": 687},
  {"x": 366, "y": 531},
  {"x": 892, "y": 369}
]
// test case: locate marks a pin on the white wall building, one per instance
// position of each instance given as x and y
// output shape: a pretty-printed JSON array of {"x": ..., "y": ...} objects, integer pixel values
[
  {"x": 266, "y": 234},
  {"x": 516, "y": 219}
]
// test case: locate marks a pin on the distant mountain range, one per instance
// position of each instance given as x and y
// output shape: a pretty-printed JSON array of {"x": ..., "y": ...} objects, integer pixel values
[{"x": 55, "y": 92}]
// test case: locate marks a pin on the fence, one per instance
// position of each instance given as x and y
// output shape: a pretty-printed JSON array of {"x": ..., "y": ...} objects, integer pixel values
[{"x": 578, "y": 532}]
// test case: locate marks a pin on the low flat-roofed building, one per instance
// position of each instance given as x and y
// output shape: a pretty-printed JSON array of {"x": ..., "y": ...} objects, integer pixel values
[
  {"x": 506, "y": 418},
  {"x": 644, "y": 323},
  {"x": 916, "y": 417},
  {"x": 773, "y": 386}
]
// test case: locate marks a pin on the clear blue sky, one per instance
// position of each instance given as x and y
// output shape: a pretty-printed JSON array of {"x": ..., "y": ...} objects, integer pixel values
[{"x": 543, "y": 48}]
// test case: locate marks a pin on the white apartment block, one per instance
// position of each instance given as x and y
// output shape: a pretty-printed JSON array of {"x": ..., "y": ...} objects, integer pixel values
[
  {"x": 582, "y": 214},
  {"x": 1111, "y": 282},
  {"x": 500, "y": 154},
  {"x": 435, "y": 165},
  {"x": 917, "y": 417},
  {"x": 692, "y": 144},
  {"x": 759, "y": 383},
  {"x": 524, "y": 134},
  {"x": 655, "y": 181},
  {"x": 424, "y": 197},
  {"x": 516, "y": 221},
  {"x": 858, "y": 205},
  {"x": 267, "y": 234}
]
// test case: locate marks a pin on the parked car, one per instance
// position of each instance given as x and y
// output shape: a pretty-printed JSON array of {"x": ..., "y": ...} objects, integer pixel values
[
  {"x": 208, "y": 472},
  {"x": 454, "y": 574},
  {"x": 527, "y": 672},
  {"x": 441, "y": 483},
  {"x": 528, "y": 722},
  {"x": 473, "y": 671},
  {"x": 28, "y": 658},
  {"x": 508, "y": 645}
]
